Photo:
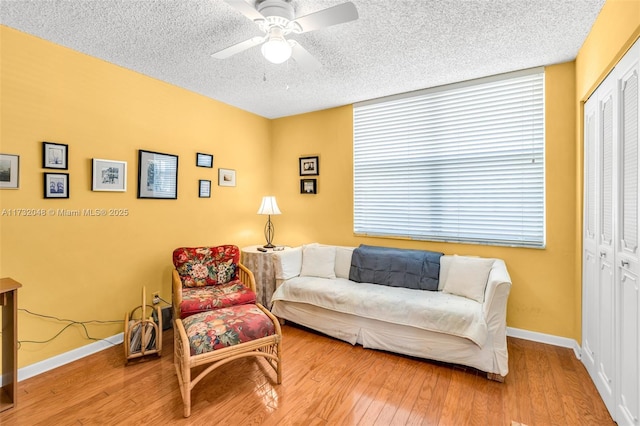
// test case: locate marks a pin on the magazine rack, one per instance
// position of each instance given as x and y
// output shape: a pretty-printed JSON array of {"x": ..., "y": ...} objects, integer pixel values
[{"x": 142, "y": 334}]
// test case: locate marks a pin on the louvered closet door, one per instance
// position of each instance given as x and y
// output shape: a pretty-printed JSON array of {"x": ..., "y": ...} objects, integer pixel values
[
  {"x": 598, "y": 268},
  {"x": 606, "y": 353},
  {"x": 590, "y": 292},
  {"x": 611, "y": 240},
  {"x": 627, "y": 252}
]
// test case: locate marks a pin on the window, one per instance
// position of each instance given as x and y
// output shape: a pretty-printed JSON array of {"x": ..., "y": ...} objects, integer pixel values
[{"x": 461, "y": 163}]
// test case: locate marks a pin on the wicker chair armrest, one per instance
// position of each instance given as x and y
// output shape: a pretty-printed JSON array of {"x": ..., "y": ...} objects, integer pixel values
[
  {"x": 176, "y": 293},
  {"x": 246, "y": 276}
]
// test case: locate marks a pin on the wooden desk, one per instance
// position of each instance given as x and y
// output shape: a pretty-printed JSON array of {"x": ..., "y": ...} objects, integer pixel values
[{"x": 9, "y": 373}]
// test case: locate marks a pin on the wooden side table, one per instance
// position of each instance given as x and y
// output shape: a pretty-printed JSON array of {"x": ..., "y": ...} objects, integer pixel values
[
  {"x": 9, "y": 305},
  {"x": 261, "y": 264}
]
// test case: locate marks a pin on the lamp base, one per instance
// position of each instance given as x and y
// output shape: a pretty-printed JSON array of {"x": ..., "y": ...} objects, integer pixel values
[{"x": 269, "y": 231}]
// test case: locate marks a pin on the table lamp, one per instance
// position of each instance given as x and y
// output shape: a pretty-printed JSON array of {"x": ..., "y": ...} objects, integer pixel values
[{"x": 269, "y": 206}]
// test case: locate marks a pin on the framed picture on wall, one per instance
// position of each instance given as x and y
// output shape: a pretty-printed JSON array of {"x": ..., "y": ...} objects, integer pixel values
[
  {"x": 56, "y": 185},
  {"x": 309, "y": 166},
  {"x": 226, "y": 177},
  {"x": 157, "y": 175},
  {"x": 204, "y": 160},
  {"x": 308, "y": 186},
  {"x": 109, "y": 175},
  {"x": 55, "y": 155},
  {"x": 9, "y": 171},
  {"x": 204, "y": 188}
]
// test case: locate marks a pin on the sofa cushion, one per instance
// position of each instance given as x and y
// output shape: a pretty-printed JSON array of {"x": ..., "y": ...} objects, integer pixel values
[
  {"x": 343, "y": 261},
  {"x": 416, "y": 269},
  {"x": 428, "y": 310},
  {"x": 318, "y": 261},
  {"x": 467, "y": 277},
  {"x": 203, "y": 266},
  {"x": 287, "y": 263},
  {"x": 445, "y": 262}
]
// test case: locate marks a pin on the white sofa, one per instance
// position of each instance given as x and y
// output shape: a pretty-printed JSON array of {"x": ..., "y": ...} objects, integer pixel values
[{"x": 463, "y": 322}]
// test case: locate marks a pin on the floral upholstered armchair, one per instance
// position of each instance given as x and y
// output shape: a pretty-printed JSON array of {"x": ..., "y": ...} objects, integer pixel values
[{"x": 207, "y": 278}]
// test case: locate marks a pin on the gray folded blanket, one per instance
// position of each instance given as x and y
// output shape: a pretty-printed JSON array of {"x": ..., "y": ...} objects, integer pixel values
[{"x": 416, "y": 269}]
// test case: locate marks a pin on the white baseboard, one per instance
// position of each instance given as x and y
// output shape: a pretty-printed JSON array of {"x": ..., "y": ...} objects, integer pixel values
[
  {"x": 549, "y": 339},
  {"x": 76, "y": 354},
  {"x": 67, "y": 357}
]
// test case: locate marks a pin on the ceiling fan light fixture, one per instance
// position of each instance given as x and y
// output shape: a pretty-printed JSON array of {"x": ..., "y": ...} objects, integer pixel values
[
  {"x": 276, "y": 50},
  {"x": 276, "y": 19}
]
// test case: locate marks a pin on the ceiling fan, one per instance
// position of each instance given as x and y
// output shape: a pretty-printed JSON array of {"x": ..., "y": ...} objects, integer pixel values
[{"x": 276, "y": 18}]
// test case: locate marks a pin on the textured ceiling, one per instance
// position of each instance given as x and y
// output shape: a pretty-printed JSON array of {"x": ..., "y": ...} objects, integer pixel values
[{"x": 394, "y": 47}]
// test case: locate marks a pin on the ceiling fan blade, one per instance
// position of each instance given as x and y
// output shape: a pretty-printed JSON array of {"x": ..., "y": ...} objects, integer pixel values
[
  {"x": 339, "y": 14},
  {"x": 237, "y": 48},
  {"x": 303, "y": 58},
  {"x": 246, "y": 9}
]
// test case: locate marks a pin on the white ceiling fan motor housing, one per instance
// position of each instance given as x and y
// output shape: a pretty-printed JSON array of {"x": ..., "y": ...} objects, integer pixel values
[{"x": 277, "y": 12}]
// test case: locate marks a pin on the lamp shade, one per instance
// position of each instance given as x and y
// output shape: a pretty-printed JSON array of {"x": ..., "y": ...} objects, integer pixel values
[{"x": 269, "y": 206}]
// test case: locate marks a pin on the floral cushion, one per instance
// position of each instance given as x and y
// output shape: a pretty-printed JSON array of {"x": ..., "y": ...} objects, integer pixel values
[
  {"x": 208, "y": 331},
  {"x": 200, "y": 299},
  {"x": 203, "y": 266}
]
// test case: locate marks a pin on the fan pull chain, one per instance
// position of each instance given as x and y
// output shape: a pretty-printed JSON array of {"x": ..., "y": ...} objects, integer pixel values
[
  {"x": 264, "y": 70},
  {"x": 286, "y": 85}
]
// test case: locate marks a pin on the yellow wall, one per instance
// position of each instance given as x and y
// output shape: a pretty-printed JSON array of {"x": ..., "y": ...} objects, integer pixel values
[
  {"x": 612, "y": 34},
  {"x": 86, "y": 268},
  {"x": 543, "y": 291},
  {"x": 614, "y": 31}
]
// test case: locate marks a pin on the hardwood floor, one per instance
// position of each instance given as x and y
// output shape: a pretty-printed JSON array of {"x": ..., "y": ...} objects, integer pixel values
[{"x": 325, "y": 382}]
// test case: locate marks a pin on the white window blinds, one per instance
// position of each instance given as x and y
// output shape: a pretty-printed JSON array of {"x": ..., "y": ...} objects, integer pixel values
[{"x": 461, "y": 163}]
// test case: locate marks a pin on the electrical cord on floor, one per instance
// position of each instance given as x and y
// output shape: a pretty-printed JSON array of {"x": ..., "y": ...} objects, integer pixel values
[
  {"x": 164, "y": 300},
  {"x": 83, "y": 324}
]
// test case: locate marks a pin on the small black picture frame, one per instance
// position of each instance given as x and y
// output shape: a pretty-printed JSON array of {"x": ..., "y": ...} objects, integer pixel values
[
  {"x": 308, "y": 186},
  {"x": 55, "y": 156},
  {"x": 309, "y": 166},
  {"x": 56, "y": 185},
  {"x": 204, "y": 160},
  {"x": 204, "y": 188}
]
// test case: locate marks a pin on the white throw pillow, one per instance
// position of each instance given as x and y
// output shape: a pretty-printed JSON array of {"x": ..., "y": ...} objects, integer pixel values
[
  {"x": 445, "y": 261},
  {"x": 343, "y": 261},
  {"x": 318, "y": 261},
  {"x": 289, "y": 263},
  {"x": 467, "y": 277}
]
